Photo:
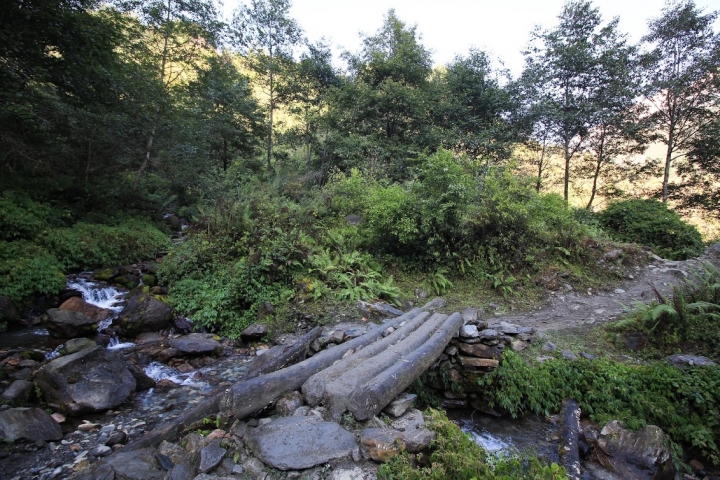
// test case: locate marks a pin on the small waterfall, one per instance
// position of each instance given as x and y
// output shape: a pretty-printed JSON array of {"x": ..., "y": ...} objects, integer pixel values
[
  {"x": 488, "y": 441},
  {"x": 116, "y": 344},
  {"x": 157, "y": 371}
]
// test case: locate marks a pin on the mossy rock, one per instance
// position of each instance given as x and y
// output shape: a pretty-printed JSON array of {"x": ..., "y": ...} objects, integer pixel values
[
  {"x": 104, "y": 274},
  {"x": 128, "y": 281},
  {"x": 149, "y": 280}
]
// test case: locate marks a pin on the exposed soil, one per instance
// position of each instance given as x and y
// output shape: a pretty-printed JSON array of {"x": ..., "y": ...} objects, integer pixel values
[{"x": 567, "y": 308}]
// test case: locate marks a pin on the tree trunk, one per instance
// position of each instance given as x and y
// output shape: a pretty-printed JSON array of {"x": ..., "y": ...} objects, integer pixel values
[
  {"x": 569, "y": 438},
  {"x": 248, "y": 397},
  {"x": 270, "y": 122},
  {"x": 376, "y": 394},
  {"x": 283, "y": 355},
  {"x": 668, "y": 161},
  {"x": 566, "y": 181}
]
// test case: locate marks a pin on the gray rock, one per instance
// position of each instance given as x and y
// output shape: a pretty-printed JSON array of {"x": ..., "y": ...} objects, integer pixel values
[
  {"x": 288, "y": 403},
  {"x": 254, "y": 467},
  {"x": 69, "y": 324},
  {"x": 469, "y": 331},
  {"x": 435, "y": 304},
  {"x": 337, "y": 336},
  {"x": 142, "y": 380},
  {"x": 400, "y": 405},
  {"x": 28, "y": 423},
  {"x": 211, "y": 456},
  {"x": 587, "y": 356},
  {"x": 680, "y": 360},
  {"x": 377, "y": 311},
  {"x": 295, "y": 443},
  {"x": 135, "y": 465},
  {"x": 18, "y": 391},
  {"x": 488, "y": 333},
  {"x": 644, "y": 448},
  {"x": 182, "y": 471},
  {"x": 253, "y": 333},
  {"x": 77, "y": 344},
  {"x": 173, "y": 451},
  {"x": 354, "y": 333},
  {"x": 101, "y": 451},
  {"x": 91, "y": 380},
  {"x": 380, "y": 444},
  {"x": 568, "y": 355},
  {"x": 116, "y": 438},
  {"x": 239, "y": 428},
  {"x": 302, "y": 411},
  {"x": 196, "y": 343},
  {"x": 411, "y": 420},
  {"x": 549, "y": 347},
  {"x": 418, "y": 439},
  {"x": 143, "y": 312},
  {"x": 613, "y": 254}
]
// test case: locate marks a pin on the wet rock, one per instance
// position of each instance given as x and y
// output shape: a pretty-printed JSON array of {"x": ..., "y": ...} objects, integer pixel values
[
  {"x": 143, "y": 312},
  {"x": 377, "y": 311},
  {"x": 183, "y": 325},
  {"x": 435, "y": 304},
  {"x": 117, "y": 437},
  {"x": 18, "y": 392},
  {"x": 78, "y": 304},
  {"x": 380, "y": 444},
  {"x": 166, "y": 354},
  {"x": 295, "y": 443},
  {"x": 149, "y": 338},
  {"x": 69, "y": 324},
  {"x": 101, "y": 451},
  {"x": 400, "y": 405},
  {"x": 287, "y": 404},
  {"x": 77, "y": 344},
  {"x": 127, "y": 280},
  {"x": 253, "y": 333},
  {"x": 196, "y": 343},
  {"x": 136, "y": 465},
  {"x": 91, "y": 380},
  {"x": 211, "y": 456},
  {"x": 679, "y": 360},
  {"x": 142, "y": 380},
  {"x": 28, "y": 423}
]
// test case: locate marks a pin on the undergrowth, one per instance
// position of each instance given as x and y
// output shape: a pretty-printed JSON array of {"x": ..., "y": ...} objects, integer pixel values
[
  {"x": 683, "y": 403},
  {"x": 453, "y": 454}
]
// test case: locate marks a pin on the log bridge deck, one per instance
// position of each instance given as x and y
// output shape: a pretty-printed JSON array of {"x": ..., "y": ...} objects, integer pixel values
[{"x": 361, "y": 376}]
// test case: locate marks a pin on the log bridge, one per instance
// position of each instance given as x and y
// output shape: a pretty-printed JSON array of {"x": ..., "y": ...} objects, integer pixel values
[{"x": 360, "y": 376}]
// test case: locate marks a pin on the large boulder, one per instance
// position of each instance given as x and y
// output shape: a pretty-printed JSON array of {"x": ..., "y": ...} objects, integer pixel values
[
  {"x": 69, "y": 324},
  {"x": 78, "y": 304},
  {"x": 91, "y": 380},
  {"x": 143, "y": 312},
  {"x": 196, "y": 343},
  {"x": 8, "y": 312},
  {"x": 296, "y": 443},
  {"x": 638, "y": 455},
  {"x": 29, "y": 424}
]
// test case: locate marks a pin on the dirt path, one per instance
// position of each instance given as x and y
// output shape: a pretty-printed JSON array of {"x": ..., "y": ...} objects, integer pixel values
[{"x": 569, "y": 309}]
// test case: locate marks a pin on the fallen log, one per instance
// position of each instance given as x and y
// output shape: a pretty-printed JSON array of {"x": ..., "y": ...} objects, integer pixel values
[
  {"x": 339, "y": 391},
  {"x": 314, "y": 388},
  {"x": 569, "y": 438},
  {"x": 283, "y": 356},
  {"x": 250, "y": 396},
  {"x": 370, "y": 399}
]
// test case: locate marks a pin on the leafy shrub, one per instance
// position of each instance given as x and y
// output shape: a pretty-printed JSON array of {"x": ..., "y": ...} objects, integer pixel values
[
  {"x": 684, "y": 403},
  {"x": 690, "y": 318},
  {"x": 22, "y": 218},
  {"x": 453, "y": 454},
  {"x": 86, "y": 245},
  {"x": 652, "y": 223},
  {"x": 27, "y": 270}
]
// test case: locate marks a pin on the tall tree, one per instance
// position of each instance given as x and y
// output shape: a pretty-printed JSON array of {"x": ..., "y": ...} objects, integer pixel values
[
  {"x": 681, "y": 77},
  {"x": 179, "y": 33},
  {"x": 560, "y": 75},
  {"x": 265, "y": 33}
]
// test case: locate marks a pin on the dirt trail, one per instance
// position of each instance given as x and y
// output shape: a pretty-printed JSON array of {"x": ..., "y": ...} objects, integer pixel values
[{"x": 570, "y": 309}]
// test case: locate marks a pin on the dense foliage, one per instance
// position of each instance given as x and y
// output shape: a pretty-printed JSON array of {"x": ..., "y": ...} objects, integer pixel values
[
  {"x": 682, "y": 402},
  {"x": 454, "y": 454},
  {"x": 652, "y": 223},
  {"x": 689, "y": 319}
]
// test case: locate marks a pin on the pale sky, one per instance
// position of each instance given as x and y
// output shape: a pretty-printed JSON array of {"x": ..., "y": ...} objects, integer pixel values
[{"x": 450, "y": 27}]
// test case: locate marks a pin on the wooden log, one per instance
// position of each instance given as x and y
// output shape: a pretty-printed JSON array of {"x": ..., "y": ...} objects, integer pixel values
[
  {"x": 370, "y": 399},
  {"x": 283, "y": 356},
  {"x": 266, "y": 388},
  {"x": 569, "y": 438},
  {"x": 248, "y": 397},
  {"x": 314, "y": 388},
  {"x": 339, "y": 391}
]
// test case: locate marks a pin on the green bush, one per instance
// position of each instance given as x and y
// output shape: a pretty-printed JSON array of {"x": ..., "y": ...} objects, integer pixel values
[
  {"x": 454, "y": 455},
  {"x": 27, "y": 270},
  {"x": 652, "y": 223},
  {"x": 684, "y": 403},
  {"x": 23, "y": 218},
  {"x": 87, "y": 245}
]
